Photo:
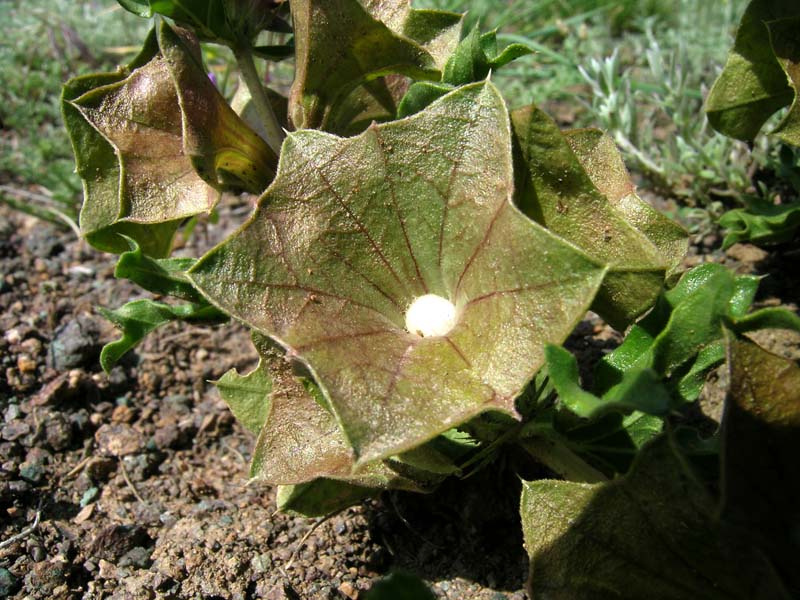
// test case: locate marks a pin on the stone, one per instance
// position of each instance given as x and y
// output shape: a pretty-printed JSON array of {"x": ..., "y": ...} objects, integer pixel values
[
  {"x": 75, "y": 344},
  {"x": 119, "y": 440},
  {"x": 8, "y": 583},
  {"x": 58, "y": 431},
  {"x": 116, "y": 540},
  {"x": 15, "y": 430}
]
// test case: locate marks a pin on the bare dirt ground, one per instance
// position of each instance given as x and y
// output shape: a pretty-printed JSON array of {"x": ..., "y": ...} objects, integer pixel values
[{"x": 134, "y": 484}]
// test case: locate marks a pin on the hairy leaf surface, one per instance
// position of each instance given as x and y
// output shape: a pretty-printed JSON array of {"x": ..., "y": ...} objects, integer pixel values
[
  {"x": 299, "y": 441},
  {"x": 353, "y": 230},
  {"x": 555, "y": 189},
  {"x": 761, "y": 444},
  {"x": 650, "y": 534}
]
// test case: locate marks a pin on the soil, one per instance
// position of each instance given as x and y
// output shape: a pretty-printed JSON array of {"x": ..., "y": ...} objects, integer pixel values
[{"x": 134, "y": 484}]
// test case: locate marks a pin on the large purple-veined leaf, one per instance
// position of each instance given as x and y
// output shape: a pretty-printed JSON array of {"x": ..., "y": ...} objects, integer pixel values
[
  {"x": 558, "y": 191},
  {"x": 341, "y": 44},
  {"x": 154, "y": 144},
  {"x": 760, "y": 76},
  {"x": 300, "y": 444},
  {"x": 352, "y": 231}
]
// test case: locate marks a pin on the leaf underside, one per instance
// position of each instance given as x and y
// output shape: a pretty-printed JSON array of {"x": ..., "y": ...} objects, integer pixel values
[{"x": 353, "y": 230}]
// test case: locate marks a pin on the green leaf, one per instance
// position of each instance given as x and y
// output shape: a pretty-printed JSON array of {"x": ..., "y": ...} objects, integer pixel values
[
  {"x": 761, "y": 223},
  {"x": 754, "y": 85},
  {"x": 231, "y": 22},
  {"x": 341, "y": 44},
  {"x": 612, "y": 442},
  {"x": 681, "y": 339},
  {"x": 166, "y": 276},
  {"x": 651, "y": 534},
  {"x": 767, "y": 318},
  {"x": 783, "y": 37},
  {"x": 140, "y": 317},
  {"x": 473, "y": 59},
  {"x": 554, "y": 189},
  {"x": 761, "y": 444},
  {"x": 477, "y": 55},
  {"x": 249, "y": 396},
  {"x": 691, "y": 384},
  {"x": 638, "y": 389},
  {"x": 399, "y": 586},
  {"x": 353, "y": 230},
  {"x": 321, "y": 497},
  {"x": 603, "y": 162},
  {"x": 420, "y": 95}
]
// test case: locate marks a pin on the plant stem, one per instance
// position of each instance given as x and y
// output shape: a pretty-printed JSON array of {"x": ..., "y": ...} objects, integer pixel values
[
  {"x": 562, "y": 460},
  {"x": 247, "y": 68}
]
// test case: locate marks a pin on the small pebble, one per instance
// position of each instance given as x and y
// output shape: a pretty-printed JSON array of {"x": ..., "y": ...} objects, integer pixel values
[
  {"x": 89, "y": 496},
  {"x": 119, "y": 440},
  {"x": 26, "y": 364}
]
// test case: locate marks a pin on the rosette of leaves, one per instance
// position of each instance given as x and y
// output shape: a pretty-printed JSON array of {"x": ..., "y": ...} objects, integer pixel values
[
  {"x": 762, "y": 74},
  {"x": 154, "y": 143},
  {"x": 350, "y": 231}
]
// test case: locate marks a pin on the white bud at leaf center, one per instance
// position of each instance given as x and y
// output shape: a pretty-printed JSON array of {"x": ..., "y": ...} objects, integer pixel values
[{"x": 430, "y": 315}]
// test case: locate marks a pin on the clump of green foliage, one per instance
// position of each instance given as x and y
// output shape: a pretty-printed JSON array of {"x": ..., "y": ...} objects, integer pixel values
[{"x": 394, "y": 171}]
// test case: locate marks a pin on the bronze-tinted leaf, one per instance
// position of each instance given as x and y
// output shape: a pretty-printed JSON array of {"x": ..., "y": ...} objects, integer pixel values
[
  {"x": 761, "y": 444},
  {"x": 603, "y": 163},
  {"x": 150, "y": 139},
  {"x": 353, "y": 230},
  {"x": 341, "y": 44},
  {"x": 555, "y": 189},
  {"x": 299, "y": 440},
  {"x": 223, "y": 149}
]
